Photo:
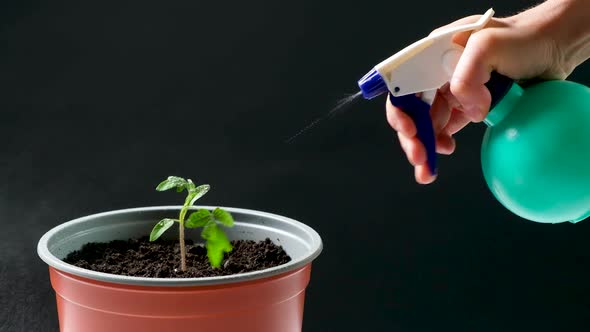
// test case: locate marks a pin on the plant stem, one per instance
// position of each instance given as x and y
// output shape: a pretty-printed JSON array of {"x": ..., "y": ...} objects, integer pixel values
[{"x": 181, "y": 239}]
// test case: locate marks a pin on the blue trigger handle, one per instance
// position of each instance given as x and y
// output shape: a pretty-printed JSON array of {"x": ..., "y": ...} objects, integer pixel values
[
  {"x": 419, "y": 112},
  {"x": 373, "y": 85}
]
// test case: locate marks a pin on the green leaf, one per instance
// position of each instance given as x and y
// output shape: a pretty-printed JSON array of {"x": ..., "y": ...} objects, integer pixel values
[
  {"x": 172, "y": 182},
  {"x": 199, "y": 218},
  {"x": 199, "y": 192},
  {"x": 217, "y": 243},
  {"x": 190, "y": 186},
  {"x": 223, "y": 217},
  {"x": 189, "y": 198},
  {"x": 209, "y": 231},
  {"x": 160, "y": 228}
]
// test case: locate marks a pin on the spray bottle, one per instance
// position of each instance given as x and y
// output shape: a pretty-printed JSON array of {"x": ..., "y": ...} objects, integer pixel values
[{"x": 535, "y": 153}]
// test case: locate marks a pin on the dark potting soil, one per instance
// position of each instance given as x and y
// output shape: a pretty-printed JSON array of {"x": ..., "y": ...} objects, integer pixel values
[{"x": 161, "y": 258}]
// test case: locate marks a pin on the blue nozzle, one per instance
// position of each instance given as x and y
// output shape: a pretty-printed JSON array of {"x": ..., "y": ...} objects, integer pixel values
[{"x": 372, "y": 85}]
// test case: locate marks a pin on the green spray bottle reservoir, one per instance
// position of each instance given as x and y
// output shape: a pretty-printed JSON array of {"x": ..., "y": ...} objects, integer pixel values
[{"x": 535, "y": 153}]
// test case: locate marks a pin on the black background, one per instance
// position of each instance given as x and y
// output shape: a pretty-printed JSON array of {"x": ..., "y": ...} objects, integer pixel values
[{"x": 100, "y": 100}]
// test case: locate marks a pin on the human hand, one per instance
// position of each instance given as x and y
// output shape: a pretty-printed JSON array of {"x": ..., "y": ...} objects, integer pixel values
[{"x": 524, "y": 46}]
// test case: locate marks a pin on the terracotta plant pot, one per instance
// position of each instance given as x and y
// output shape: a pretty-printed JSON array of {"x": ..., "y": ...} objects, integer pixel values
[{"x": 270, "y": 300}]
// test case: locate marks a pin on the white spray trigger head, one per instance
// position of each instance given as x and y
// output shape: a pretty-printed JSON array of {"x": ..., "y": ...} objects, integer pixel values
[{"x": 428, "y": 63}]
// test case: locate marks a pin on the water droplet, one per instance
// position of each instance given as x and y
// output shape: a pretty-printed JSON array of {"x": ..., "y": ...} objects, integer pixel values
[{"x": 340, "y": 105}]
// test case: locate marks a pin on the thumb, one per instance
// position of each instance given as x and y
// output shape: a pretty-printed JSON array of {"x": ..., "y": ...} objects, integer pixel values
[{"x": 479, "y": 59}]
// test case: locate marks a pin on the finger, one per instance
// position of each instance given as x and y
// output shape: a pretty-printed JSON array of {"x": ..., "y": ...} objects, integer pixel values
[
  {"x": 440, "y": 112},
  {"x": 414, "y": 150},
  {"x": 457, "y": 122},
  {"x": 422, "y": 174},
  {"x": 400, "y": 121},
  {"x": 451, "y": 101},
  {"x": 445, "y": 144},
  {"x": 442, "y": 115},
  {"x": 472, "y": 72}
]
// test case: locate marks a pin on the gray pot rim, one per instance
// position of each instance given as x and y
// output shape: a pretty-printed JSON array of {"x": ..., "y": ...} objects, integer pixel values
[{"x": 58, "y": 264}]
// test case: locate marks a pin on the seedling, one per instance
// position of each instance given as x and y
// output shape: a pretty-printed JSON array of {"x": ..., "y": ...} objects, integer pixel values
[{"x": 216, "y": 241}]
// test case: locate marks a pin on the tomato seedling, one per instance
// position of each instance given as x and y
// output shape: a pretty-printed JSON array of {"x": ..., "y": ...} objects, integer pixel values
[{"x": 216, "y": 242}]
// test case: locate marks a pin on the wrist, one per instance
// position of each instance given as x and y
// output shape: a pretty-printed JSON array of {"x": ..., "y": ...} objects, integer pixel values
[{"x": 565, "y": 24}]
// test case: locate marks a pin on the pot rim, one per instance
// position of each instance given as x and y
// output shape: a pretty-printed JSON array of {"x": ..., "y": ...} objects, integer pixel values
[{"x": 313, "y": 252}]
